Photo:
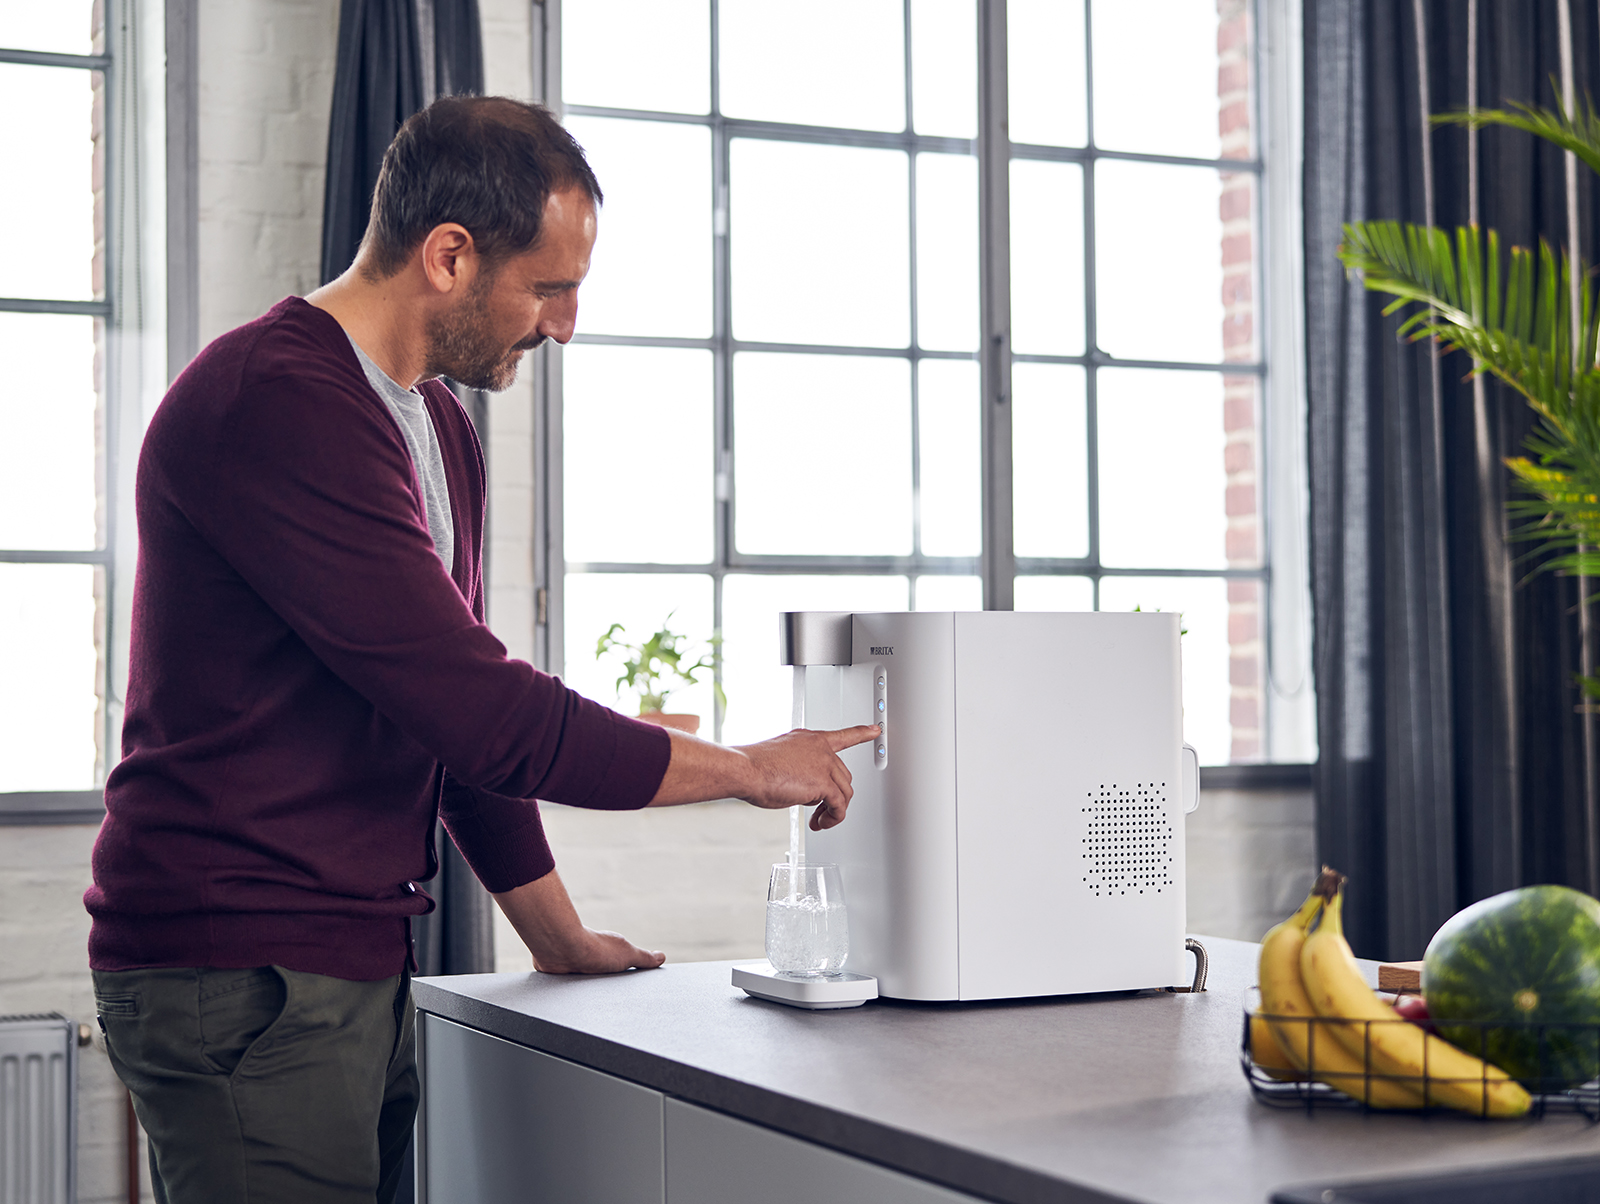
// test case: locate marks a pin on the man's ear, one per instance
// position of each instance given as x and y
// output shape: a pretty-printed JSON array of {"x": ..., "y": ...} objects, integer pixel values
[{"x": 449, "y": 257}]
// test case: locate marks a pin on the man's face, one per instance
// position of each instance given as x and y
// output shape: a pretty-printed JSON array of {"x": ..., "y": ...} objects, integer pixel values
[{"x": 513, "y": 307}]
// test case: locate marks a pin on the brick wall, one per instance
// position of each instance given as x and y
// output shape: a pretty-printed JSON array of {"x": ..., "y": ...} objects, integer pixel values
[
  {"x": 507, "y": 71},
  {"x": 1241, "y": 405},
  {"x": 266, "y": 86},
  {"x": 1252, "y": 857},
  {"x": 44, "y": 931},
  {"x": 691, "y": 881}
]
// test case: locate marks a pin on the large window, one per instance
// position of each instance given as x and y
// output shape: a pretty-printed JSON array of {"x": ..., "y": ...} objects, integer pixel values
[
  {"x": 55, "y": 562},
  {"x": 774, "y": 401}
]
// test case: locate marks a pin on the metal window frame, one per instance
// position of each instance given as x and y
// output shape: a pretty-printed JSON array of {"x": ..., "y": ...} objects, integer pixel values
[
  {"x": 996, "y": 565},
  {"x": 85, "y": 806},
  {"x": 1093, "y": 358}
]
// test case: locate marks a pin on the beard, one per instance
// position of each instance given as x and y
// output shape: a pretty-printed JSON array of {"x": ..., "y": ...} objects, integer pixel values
[{"x": 462, "y": 344}]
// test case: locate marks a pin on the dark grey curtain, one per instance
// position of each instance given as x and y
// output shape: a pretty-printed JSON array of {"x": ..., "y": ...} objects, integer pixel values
[
  {"x": 1452, "y": 751},
  {"x": 394, "y": 58}
]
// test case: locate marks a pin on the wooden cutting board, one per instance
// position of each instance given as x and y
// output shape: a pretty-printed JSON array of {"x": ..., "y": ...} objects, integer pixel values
[{"x": 1400, "y": 976}]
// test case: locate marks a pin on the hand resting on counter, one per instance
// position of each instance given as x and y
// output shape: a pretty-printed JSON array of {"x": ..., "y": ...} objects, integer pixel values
[{"x": 542, "y": 913}]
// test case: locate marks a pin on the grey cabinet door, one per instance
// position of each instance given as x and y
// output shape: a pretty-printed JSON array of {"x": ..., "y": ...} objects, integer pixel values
[
  {"x": 715, "y": 1159},
  {"x": 504, "y": 1124}
]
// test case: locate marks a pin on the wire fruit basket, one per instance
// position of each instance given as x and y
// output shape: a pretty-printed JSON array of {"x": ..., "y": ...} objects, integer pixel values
[{"x": 1556, "y": 1048}]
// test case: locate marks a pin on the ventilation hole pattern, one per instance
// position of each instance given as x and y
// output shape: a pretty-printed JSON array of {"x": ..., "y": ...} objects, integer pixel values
[{"x": 1128, "y": 846}]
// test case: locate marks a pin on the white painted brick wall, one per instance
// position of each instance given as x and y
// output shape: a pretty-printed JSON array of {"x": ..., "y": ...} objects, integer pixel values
[
  {"x": 266, "y": 87},
  {"x": 508, "y": 71},
  {"x": 691, "y": 881},
  {"x": 44, "y": 932},
  {"x": 1252, "y": 858}
]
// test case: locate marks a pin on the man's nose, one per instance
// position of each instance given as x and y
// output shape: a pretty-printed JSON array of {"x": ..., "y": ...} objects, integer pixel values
[{"x": 560, "y": 318}]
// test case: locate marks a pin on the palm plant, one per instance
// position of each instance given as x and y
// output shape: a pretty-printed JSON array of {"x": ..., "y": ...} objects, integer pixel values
[{"x": 1513, "y": 314}]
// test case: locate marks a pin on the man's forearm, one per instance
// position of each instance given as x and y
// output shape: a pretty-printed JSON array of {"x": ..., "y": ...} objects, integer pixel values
[
  {"x": 542, "y": 913},
  {"x": 700, "y": 770},
  {"x": 799, "y": 768}
]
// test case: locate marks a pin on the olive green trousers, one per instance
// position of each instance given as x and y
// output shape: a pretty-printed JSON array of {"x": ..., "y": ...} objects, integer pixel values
[{"x": 265, "y": 1086}]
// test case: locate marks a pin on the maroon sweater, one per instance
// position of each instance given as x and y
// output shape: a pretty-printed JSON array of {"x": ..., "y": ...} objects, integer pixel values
[{"x": 309, "y": 686}]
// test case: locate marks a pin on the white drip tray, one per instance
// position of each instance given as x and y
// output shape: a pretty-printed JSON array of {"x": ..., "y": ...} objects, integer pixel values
[{"x": 840, "y": 991}]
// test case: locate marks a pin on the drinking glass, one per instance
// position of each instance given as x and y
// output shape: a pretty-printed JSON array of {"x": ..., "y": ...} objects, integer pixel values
[{"x": 808, "y": 932}]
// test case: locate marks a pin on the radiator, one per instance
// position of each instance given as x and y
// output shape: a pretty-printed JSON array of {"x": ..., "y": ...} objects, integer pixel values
[{"x": 38, "y": 1120}]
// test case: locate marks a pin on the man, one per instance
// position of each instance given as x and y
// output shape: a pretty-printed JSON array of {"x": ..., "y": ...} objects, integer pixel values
[{"x": 311, "y": 683}]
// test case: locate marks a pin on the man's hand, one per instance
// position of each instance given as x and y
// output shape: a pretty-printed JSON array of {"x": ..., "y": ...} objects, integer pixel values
[
  {"x": 542, "y": 913},
  {"x": 598, "y": 952},
  {"x": 800, "y": 768},
  {"x": 803, "y": 767}
]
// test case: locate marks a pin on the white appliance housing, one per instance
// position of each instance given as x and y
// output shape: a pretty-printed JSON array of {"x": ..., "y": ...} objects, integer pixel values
[{"x": 1019, "y": 828}]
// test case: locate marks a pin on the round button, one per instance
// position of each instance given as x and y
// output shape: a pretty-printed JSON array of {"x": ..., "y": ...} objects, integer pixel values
[
  {"x": 880, "y": 750},
  {"x": 880, "y": 704}
]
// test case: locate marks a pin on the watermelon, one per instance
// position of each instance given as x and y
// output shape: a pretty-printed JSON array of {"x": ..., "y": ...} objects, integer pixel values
[{"x": 1529, "y": 960}]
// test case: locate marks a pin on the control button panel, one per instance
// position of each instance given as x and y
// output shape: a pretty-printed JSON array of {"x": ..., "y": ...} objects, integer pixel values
[{"x": 880, "y": 715}]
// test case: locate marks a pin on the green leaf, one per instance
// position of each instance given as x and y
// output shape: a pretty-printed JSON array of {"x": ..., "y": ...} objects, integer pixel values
[
  {"x": 1516, "y": 325},
  {"x": 1578, "y": 132},
  {"x": 659, "y": 666}
]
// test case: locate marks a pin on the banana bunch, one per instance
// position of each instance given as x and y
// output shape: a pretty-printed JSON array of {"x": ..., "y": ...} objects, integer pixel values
[{"x": 1319, "y": 1019}]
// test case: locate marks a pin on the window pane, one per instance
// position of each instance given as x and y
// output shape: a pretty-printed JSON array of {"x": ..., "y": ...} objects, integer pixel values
[
  {"x": 1046, "y": 78},
  {"x": 637, "y": 54},
  {"x": 51, "y": 220},
  {"x": 1176, "y": 42},
  {"x": 816, "y": 259},
  {"x": 48, "y": 460},
  {"x": 654, "y": 229},
  {"x": 944, "y": 67},
  {"x": 760, "y": 690},
  {"x": 1047, "y": 257},
  {"x": 1158, "y": 258},
  {"x": 641, "y": 602},
  {"x": 947, "y": 252},
  {"x": 1203, "y": 602},
  {"x": 1050, "y": 461},
  {"x": 1053, "y": 593},
  {"x": 834, "y": 62},
  {"x": 950, "y": 434},
  {"x": 639, "y": 454},
  {"x": 822, "y": 455},
  {"x": 1162, "y": 478},
  {"x": 949, "y": 593},
  {"x": 61, "y": 26},
  {"x": 48, "y": 664}
]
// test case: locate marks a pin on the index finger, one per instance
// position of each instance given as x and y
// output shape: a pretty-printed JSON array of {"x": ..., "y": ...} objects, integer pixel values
[{"x": 849, "y": 737}]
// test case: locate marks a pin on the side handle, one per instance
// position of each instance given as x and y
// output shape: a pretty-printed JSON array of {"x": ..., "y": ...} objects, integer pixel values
[
  {"x": 1191, "y": 779},
  {"x": 1202, "y": 966}
]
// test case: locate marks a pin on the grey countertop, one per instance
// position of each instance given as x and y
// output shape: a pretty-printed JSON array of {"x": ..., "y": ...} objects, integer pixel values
[{"x": 1114, "y": 1097}]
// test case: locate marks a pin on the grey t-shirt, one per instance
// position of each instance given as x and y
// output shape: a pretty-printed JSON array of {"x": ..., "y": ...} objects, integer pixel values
[{"x": 410, "y": 410}]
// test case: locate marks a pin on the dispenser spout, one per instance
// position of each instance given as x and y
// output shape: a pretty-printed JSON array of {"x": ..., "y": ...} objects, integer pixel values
[{"x": 815, "y": 637}]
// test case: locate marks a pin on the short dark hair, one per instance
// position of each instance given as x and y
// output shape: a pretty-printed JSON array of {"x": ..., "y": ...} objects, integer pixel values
[{"x": 487, "y": 162}]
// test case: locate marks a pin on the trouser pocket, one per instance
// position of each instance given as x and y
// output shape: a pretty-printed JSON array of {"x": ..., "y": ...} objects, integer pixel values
[{"x": 236, "y": 1009}]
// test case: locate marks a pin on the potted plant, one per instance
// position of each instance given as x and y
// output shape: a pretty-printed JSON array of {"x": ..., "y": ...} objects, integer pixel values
[{"x": 659, "y": 666}]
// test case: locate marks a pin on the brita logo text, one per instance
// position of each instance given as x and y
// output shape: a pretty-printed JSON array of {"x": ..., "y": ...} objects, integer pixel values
[{"x": 886, "y": 650}]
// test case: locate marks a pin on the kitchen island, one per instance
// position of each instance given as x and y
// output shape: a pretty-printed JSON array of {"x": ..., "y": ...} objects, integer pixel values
[{"x": 670, "y": 1085}]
